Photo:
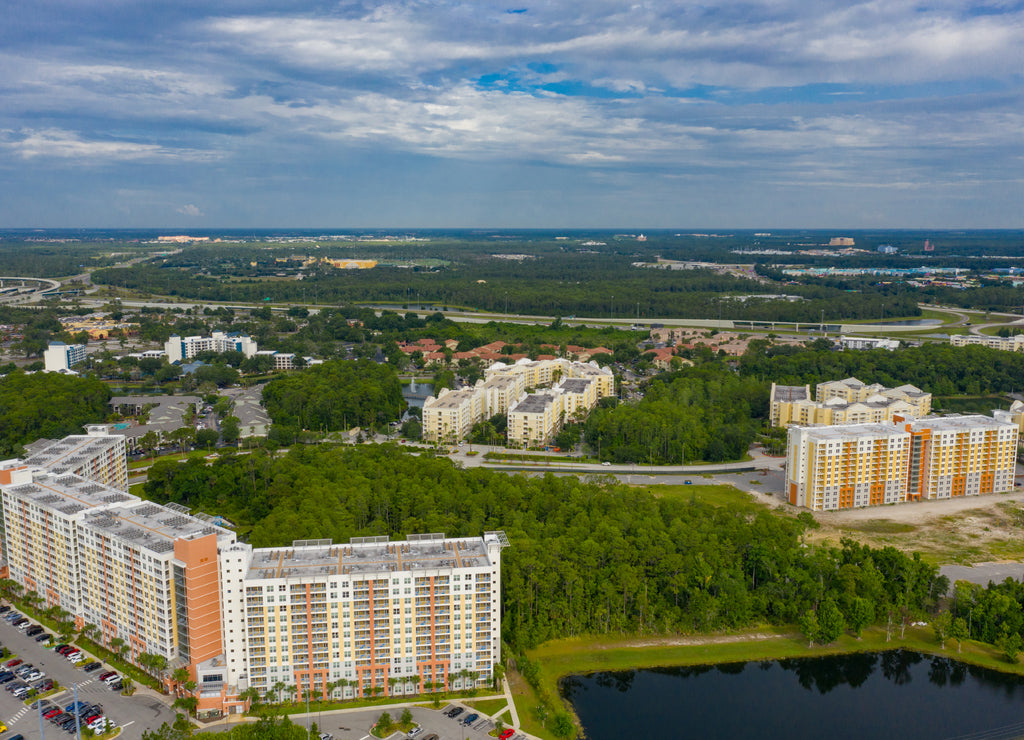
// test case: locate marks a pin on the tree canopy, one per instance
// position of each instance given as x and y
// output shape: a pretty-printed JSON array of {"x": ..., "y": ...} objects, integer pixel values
[{"x": 47, "y": 405}]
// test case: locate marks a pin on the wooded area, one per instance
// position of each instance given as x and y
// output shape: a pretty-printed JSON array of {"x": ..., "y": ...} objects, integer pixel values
[
  {"x": 47, "y": 405},
  {"x": 586, "y": 556}
]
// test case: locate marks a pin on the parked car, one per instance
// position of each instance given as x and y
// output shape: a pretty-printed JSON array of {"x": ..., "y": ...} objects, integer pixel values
[
  {"x": 34, "y": 630},
  {"x": 44, "y": 637},
  {"x": 115, "y": 685},
  {"x": 470, "y": 719},
  {"x": 4, "y": 609},
  {"x": 107, "y": 674},
  {"x": 455, "y": 712},
  {"x": 46, "y": 684},
  {"x": 50, "y": 714},
  {"x": 506, "y": 733},
  {"x": 13, "y": 662},
  {"x": 92, "y": 665}
]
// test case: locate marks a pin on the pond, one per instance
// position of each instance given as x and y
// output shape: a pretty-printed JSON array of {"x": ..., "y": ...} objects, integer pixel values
[
  {"x": 896, "y": 693},
  {"x": 417, "y": 392}
]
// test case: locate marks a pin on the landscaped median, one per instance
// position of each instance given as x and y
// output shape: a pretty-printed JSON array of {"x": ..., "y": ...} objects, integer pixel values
[{"x": 550, "y": 662}]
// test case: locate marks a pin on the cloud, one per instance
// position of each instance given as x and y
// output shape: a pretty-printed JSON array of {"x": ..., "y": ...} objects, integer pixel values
[
  {"x": 190, "y": 210},
  {"x": 61, "y": 144}
]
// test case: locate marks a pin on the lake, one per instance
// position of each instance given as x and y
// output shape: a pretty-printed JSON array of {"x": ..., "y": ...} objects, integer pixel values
[{"x": 898, "y": 693}]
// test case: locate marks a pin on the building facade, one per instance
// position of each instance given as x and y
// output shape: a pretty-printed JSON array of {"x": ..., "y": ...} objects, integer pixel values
[
  {"x": 59, "y": 357},
  {"x": 847, "y": 466},
  {"x": 366, "y": 618},
  {"x": 179, "y": 349}
]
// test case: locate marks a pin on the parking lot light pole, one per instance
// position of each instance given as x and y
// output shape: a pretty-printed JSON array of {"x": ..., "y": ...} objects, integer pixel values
[{"x": 39, "y": 708}]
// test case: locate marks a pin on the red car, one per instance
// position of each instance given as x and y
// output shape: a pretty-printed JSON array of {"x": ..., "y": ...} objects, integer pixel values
[
  {"x": 16, "y": 661},
  {"x": 506, "y": 733},
  {"x": 52, "y": 713}
]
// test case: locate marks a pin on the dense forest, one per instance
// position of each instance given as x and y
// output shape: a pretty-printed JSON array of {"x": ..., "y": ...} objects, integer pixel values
[
  {"x": 47, "y": 405},
  {"x": 336, "y": 395},
  {"x": 552, "y": 281},
  {"x": 940, "y": 369},
  {"x": 701, "y": 413},
  {"x": 586, "y": 557}
]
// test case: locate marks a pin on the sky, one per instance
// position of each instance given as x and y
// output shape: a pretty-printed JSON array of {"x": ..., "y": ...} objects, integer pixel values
[{"x": 554, "y": 113}]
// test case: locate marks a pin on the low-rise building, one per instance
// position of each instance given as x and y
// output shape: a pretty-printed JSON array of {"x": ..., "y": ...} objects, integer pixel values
[
  {"x": 868, "y": 343},
  {"x": 1007, "y": 344}
]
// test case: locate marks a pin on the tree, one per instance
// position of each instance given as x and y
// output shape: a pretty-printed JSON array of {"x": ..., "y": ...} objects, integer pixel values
[
  {"x": 958, "y": 631},
  {"x": 1010, "y": 644},
  {"x": 385, "y": 725},
  {"x": 406, "y": 718},
  {"x": 563, "y": 725},
  {"x": 230, "y": 429},
  {"x": 148, "y": 442},
  {"x": 206, "y": 438},
  {"x": 180, "y": 676},
  {"x": 809, "y": 626},
  {"x": 861, "y": 614},
  {"x": 941, "y": 624},
  {"x": 830, "y": 622}
]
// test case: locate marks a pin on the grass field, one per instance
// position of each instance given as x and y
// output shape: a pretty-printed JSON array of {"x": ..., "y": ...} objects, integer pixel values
[{"x": 715, "y": 495}]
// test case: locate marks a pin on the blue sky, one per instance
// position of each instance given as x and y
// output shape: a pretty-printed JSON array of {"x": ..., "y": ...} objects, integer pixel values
[{"x": 745, "y": 113}]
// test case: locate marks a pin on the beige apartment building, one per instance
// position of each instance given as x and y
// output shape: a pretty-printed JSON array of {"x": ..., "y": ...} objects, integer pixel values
[
  {"x": 451, "y": 415},
  {"x": 1007, "y": 344},
  {"x": 846, "y": 402},
  {"x": 847, "y": 466},
  {"x": 96, "y": 455}
]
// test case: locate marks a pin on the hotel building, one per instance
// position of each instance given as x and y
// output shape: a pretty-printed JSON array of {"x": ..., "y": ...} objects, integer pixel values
[
  {"x": 59, "y": 357},
  {"x": 370, "y": 617},
  {"x": 178, "y": 349},
  {"x": 846, "y": 466}
]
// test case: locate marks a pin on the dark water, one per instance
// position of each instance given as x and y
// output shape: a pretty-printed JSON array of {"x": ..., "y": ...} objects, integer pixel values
[{"x": 895, "y": 694}]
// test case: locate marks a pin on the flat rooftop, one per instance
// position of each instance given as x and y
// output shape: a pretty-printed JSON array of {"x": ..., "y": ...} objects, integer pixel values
[
  {"x": 790, "y": 393},
  {"x": 533, "y": 403},
  {"x": 368, "y": 556},
  {"x": 151, "y": 526},
  {"x": 452, "y": 399},
  {"x": 69, "y": 494},
  {"x": 843, "y": 432},
  {"x": 70, "y": 452},
  {"x": 954, "y": 421},
  {"x": 575, "y": 385}
]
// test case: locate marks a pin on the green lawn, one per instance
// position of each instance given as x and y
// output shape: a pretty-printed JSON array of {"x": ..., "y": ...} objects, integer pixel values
[
  {"x": 488, "y": 706},
  {"x": 716, "y": 495}
]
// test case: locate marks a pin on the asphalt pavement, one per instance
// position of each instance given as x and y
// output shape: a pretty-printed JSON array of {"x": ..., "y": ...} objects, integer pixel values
[{"x": 134, "y": 714}]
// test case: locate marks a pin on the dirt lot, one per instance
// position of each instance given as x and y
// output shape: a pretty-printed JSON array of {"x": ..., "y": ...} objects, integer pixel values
[{"x": 975, "y": 529}]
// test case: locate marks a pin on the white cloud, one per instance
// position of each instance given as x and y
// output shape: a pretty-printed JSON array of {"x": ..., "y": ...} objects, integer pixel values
[
  {"x": 61, "y": 144},
  {"x": 190, "y": 210}
]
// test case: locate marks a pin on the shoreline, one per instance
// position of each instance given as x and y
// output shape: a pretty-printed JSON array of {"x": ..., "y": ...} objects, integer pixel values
[{"x": 582, "y": 656}]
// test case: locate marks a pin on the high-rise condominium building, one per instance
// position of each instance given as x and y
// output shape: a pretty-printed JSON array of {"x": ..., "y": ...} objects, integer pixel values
[{"x": 839, "y": 467}]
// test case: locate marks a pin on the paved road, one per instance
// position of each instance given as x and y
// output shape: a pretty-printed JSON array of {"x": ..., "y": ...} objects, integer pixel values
[{"x": 982, "y": 573}]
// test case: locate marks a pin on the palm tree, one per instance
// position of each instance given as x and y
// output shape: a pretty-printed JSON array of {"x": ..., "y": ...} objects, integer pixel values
[
  {"x": 277, "y": 688},
  {"x": 415, "y": 681},
  {"x": 179, "y": 676},
  {"x": 90, "y": 631},
  {"x": 392, "y": 681},
  {"x": 118, "y": 645}
]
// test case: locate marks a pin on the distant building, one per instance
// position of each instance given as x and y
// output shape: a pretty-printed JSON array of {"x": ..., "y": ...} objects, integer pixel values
[
  {"x": 868, "y": 343},
  {"x": 1007, "y": 344},
  {"x": 887, "y": 249},
  {"x": 841, "y": 467},
  {"x": 841, "y": 241},
  {"x": 177, "y": 348},
  {"x": 59, "y": 357}
]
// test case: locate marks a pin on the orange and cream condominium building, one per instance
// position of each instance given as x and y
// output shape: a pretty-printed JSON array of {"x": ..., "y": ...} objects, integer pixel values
[
  {"x": 855, "y": 465},
  {"x": 366, "y": 618}
]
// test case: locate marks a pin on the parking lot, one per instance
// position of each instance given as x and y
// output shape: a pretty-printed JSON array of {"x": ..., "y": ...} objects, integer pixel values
[
  {"x": 356, "y": 724},
  {"x": 133, "y": 713}
]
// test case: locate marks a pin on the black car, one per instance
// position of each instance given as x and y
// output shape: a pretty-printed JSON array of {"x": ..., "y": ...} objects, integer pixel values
[
  {"x": 115, "y": 685},
  {"x": 44, "y": 637},
  {"x": 456, "y": 712},
  {"x": 4, "y": 609},
  {"x": 45, "y": 685},
  {"x": 34, "y": 630},
  {"x": 92, "y": 666}
]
